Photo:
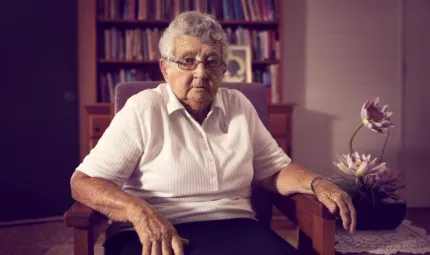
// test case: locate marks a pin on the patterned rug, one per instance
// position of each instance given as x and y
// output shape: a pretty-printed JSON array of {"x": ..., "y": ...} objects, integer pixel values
[{"x": 406, "y": 238}]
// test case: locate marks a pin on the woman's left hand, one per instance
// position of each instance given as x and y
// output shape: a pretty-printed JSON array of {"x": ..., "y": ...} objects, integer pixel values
[{"x": 336, "y": 200}]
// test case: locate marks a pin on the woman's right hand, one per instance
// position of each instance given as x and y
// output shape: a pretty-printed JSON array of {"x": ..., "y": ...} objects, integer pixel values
[{"x": 157, "y": 235}]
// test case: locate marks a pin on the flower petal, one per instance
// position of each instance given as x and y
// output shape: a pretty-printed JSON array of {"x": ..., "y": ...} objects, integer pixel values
[
  {"x": 362, "y": 169},
  {"x": 363, "y": 112},
  {"x": 344, "y": 169},
  {"x": 380, "y": 168},
  {"x": 376, "y": 101}
]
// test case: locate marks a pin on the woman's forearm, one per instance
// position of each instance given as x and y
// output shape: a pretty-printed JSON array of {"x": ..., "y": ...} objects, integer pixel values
[
  {"x": 108, "y": 199},
  {"x": 292, "y": 179}
]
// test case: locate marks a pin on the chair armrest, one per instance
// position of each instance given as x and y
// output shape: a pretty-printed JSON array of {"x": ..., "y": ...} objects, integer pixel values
[
  {"x": 316, "y": 224},
  {"x": 83, "y": 217},
  {"x": 87, "y": 226}
]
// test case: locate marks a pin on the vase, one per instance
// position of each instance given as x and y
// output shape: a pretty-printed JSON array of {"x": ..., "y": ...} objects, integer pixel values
[{"x": 382, "y": 215}]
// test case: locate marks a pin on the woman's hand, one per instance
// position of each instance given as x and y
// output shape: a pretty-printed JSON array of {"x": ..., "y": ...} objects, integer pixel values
[
  {"x": 157, "y": 235},
  {"x": 334, "y": 198}
]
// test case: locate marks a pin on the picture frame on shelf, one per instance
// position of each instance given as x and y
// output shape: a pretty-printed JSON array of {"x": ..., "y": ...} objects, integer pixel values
[{"x": 239, "y": 67}]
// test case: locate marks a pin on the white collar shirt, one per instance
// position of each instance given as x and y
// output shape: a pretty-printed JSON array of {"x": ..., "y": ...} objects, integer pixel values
[{"x": 188, "y": 172}]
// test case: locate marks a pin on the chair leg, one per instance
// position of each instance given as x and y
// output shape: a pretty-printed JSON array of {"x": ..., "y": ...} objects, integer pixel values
[
  {"x": 83, "y": 242},
  {"x": 324, "y": 231},
  {"x": 304, "y": 243},
  {"x": 323, "y": 237}
]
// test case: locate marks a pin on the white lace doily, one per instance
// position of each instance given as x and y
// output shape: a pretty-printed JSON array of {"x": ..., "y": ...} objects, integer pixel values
[{"x": 406, "y": 238}]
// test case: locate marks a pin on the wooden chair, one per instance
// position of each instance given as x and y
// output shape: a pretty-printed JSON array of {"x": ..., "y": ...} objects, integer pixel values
[{"x": 316, "y": 225}]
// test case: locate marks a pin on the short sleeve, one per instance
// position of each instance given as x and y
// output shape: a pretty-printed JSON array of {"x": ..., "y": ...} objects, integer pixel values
[
  {"x": 269, "y": 158},
  {"x": 120, "y": 148}
]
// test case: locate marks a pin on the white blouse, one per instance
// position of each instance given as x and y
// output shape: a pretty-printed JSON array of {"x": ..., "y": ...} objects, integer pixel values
[{"x": 188, "y": 172}]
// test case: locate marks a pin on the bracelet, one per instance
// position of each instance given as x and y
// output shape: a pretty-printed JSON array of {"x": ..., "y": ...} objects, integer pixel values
[{"x": 317, "y": 179}]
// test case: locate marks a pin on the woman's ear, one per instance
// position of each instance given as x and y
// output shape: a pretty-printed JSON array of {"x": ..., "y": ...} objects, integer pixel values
[{"x": 163, "y": 67}]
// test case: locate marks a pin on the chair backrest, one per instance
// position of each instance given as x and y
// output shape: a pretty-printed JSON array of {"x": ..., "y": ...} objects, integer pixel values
[{"x": 255, "y": 92}]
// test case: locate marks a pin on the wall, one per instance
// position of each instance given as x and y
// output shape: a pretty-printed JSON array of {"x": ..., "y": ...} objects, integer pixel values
[
  {"x": 39, "y": 117},
  {"x": 416, "y": 92},
  {"x": 339, "y": 54}
]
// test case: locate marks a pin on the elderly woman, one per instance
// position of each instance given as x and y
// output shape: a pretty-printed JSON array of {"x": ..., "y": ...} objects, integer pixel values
[{"x": 174, "y": 169}]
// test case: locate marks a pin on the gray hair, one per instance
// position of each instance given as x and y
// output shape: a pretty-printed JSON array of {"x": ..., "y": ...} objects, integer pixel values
[{"x": 193, "y": 23}]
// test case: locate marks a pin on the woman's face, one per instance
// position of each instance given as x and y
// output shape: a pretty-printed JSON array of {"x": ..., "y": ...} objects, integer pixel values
[{"x": 194, "y": 88}]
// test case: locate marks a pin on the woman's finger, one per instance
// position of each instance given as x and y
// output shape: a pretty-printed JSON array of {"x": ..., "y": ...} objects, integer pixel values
[
  {"x": 353, "y": 214},
  {"x": 146, "y": 247},
  {"x": 166, "y": 246},
  {"x": 343, "y": 209},
  {"x": 184, "y": 241},
  {"x": 177, "y": 245},
  {"x": 327, "y": 202},
  {"x": 156, "y": 248}
]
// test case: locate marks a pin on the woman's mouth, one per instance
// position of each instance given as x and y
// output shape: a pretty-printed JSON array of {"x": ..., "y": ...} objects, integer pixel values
[{"x": 200, "y": 88}]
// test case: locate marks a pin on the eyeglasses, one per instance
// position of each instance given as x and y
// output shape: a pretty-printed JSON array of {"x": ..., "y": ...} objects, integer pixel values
[{"x": 191, "y": 64}]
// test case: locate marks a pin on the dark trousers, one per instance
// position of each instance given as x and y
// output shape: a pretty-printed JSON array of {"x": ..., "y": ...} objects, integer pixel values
[{"x": 220, "y": 237}]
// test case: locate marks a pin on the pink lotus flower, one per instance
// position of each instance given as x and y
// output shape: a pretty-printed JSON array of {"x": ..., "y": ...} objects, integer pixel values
[
  {"x": 359, "y": 166},
  {"x": 364, "y": 175},
  {"x": 375, "y": 117}
]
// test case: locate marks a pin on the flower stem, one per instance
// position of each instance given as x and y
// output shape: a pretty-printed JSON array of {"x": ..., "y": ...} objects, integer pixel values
[
  {"x": 385, "y": 144},
  {"x": 352, "y": 138},
  {"x": 373, "y": 197}
]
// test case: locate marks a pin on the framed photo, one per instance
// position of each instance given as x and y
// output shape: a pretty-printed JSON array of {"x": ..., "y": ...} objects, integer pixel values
[{"x": 239, "y": 67}]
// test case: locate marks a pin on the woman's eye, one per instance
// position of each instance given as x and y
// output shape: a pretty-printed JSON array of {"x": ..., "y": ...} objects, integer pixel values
[
  {"x": 188, "y": 60},
  {"x": 212, "y": 62}
]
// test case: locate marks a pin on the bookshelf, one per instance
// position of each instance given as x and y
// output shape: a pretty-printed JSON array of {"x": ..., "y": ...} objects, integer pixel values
[
  {"x": 104, "y": 23},
  {"x": 165, "y": 23}
]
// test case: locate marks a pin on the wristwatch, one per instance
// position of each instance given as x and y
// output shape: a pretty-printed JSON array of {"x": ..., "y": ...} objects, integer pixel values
[{"x": 315, "y": 179}]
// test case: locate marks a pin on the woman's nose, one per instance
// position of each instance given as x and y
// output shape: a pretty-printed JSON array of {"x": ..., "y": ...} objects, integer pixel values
[{"x": 200, "y": 72}]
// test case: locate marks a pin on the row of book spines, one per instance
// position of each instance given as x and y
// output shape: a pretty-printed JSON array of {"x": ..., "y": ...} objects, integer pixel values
[
  {"x": 131, "y": 44},
  {"x": 143, "y": 43},
  {"x": 264, "y": 43},
  {"x": 247, "y": 10},
  {"x": 108, "y": 80},
  {"x": 269, "y": 78}
]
